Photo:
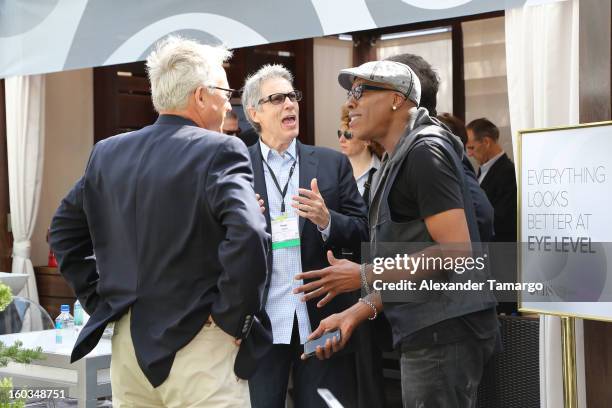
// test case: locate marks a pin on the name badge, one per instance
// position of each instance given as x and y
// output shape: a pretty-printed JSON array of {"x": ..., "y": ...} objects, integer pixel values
[{"x": 285, "y": 232}]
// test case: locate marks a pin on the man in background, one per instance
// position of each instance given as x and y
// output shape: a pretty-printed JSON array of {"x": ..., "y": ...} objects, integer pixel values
[
  {"x": 179, "y": 240},
  {"x": 231, "y": 127},
  {"x": 497, "y": 178},
  {"x": 230, "y": 124},
  {"x": 495, "y": 175}
]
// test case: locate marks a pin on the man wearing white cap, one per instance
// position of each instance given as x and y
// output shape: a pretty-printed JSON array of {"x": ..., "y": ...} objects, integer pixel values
[{"x": 419, "y": 200}]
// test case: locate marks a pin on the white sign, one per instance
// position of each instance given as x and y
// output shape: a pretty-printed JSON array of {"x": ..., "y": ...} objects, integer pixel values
[{"x": 565, "y": 220}]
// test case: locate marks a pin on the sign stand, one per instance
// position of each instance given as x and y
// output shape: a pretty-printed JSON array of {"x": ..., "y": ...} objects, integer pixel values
[
  {"x": 568, "y": 346},
  {"x": 565, "y": 172}
]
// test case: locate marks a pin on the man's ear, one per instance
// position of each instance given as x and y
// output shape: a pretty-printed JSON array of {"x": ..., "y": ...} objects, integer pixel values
[
  {"x": 399, "y": 101},
  {"x": 253, "y": 114},
  {"x": 200, "y": 96},
  {"x": 487, "y": 142}
]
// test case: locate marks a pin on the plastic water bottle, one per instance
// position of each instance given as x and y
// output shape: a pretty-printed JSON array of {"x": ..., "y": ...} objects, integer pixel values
[
  {"x": 64, "y": 324},
  {"x": 78, "y": 314}
]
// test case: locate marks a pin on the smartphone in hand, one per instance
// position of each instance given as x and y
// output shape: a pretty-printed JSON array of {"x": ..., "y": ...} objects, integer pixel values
[{"x": 310, "y": 347}]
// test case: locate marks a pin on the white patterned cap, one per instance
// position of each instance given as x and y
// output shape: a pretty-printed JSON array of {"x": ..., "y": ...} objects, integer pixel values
[{"x": 400, "y": 76}]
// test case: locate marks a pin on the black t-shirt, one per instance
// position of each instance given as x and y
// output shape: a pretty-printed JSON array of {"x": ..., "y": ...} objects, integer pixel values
[{"x": 427, "y": 184}]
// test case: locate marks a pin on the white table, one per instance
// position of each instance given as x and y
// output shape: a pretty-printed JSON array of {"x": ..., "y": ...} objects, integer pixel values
[{"x": 86, "y": 380}]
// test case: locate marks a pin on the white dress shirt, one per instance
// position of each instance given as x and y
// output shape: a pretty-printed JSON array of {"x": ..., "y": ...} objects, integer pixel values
[
  {"x": 484, "y": 169},
  {"x": 361, "y": 180}
]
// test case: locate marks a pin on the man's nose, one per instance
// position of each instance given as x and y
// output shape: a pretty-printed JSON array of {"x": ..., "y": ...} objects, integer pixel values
[
  {"x": 287, "y": 103},
  {"x": 350, "y": 103}
]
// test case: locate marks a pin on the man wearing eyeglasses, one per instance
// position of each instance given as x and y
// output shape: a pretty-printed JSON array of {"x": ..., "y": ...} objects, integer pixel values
[
  {"x": 422, "y": 204},
  {"x": 179, "y": 240},
  {"x": 312, "y": 206}
]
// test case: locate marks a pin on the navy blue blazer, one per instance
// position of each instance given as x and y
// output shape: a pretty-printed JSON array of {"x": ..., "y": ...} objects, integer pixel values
[
  {"x": 170, "y": 213},
  {"x": 349, "y": 220}
]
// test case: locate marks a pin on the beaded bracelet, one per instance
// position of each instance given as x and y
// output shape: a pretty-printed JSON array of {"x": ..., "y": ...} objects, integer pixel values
[{"x": 367, "y": 302}]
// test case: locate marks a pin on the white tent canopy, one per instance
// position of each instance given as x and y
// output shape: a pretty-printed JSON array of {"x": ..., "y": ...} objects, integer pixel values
[{"x": 57, "y": 35}]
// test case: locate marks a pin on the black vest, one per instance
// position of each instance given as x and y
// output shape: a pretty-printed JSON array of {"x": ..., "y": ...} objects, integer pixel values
[{"x": 408, "y": 318}]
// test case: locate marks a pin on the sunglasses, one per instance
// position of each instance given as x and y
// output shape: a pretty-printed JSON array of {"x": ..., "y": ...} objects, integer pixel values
[
  {"x": 357, "y": 92},
  {"x": 347, "y": 135},
  {"x": 278, "y": 98},
  {"x": 226, "y": 92}
]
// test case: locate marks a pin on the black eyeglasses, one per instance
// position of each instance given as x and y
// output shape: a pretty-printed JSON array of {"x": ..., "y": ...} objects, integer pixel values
[
  {"x": 357, "y": 91},
  {"x": 347, "y": 135},
  {"x": 227, "y": 92},
  {"x": 278, "y": 98}
]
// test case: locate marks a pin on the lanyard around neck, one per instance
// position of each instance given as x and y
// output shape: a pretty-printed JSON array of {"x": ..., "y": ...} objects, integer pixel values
[{"x": 283, "y": 191}]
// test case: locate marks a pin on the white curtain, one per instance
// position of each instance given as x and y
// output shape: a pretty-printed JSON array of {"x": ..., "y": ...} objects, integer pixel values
[
  {"x": 25, "y": 120},
  {"x": 484, "y": 71},
  {"x": 542, "y": 70}
]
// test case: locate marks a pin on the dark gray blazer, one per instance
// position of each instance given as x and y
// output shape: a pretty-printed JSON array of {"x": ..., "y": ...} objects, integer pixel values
[{"x": 171, "y": 215}]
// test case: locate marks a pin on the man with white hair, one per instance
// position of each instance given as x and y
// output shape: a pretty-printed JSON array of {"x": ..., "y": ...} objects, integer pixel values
[
  {"x": 179, "y": 240},
  {"x": 312, "y": 207}
]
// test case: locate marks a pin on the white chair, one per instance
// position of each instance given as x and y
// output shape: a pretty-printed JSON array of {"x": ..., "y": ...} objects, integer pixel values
[{"x": 21, "y": 316}]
